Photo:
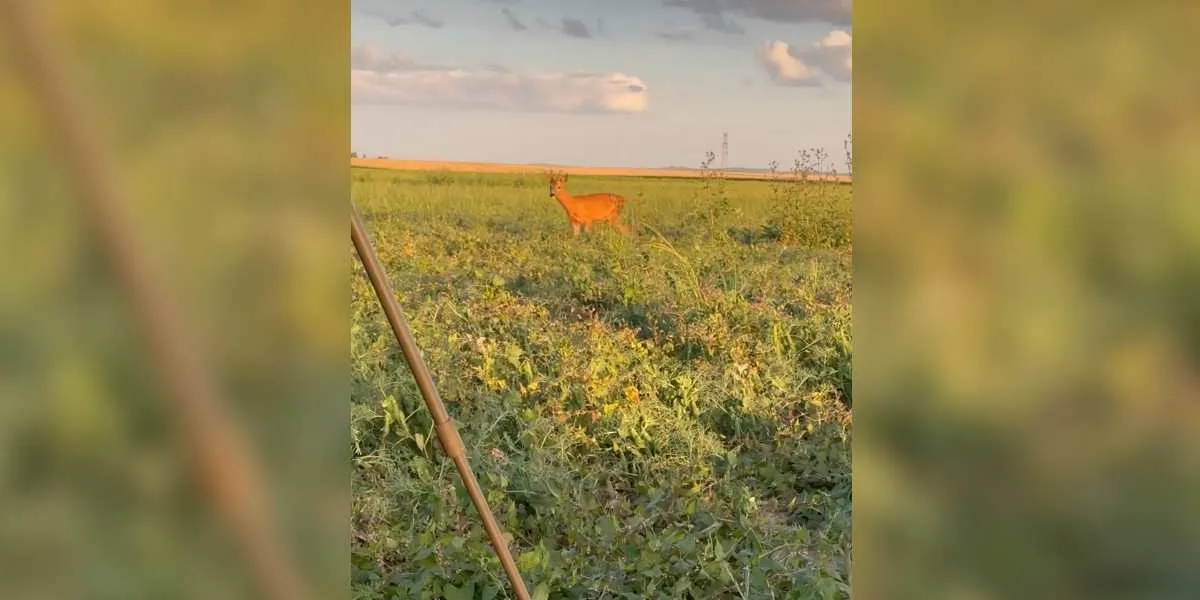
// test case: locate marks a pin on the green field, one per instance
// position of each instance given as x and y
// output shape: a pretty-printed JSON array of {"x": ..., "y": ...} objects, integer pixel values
[{"x": 665, "y": 415}]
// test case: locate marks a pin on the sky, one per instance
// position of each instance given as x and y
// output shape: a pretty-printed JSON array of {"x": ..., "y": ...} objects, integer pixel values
[{"x": 631, "y": 83}]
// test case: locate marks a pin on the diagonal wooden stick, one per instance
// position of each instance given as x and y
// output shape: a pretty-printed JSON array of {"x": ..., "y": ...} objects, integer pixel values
[{"x": 451, "y": 443}]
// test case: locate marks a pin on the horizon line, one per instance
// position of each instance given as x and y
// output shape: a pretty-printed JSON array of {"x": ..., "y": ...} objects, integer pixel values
[
  {"x": 364, "y": 156},
  {"x": 517, "y": 168}
]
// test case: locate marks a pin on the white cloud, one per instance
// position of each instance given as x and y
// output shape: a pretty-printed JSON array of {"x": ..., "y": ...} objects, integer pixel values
[
  {"x": 789, "y": 65},
  {"x": 784, "y": 68},
  {"x": 837, "y": 37},
  {"x": 833, "y": 54},
  {"x": 379, "y": 77}
]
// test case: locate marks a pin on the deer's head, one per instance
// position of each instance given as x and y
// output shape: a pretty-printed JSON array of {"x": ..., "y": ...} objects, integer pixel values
[{"x": 557, "y": 180}]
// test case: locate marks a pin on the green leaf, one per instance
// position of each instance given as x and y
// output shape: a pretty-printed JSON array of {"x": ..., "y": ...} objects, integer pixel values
[
  {"x": 541, "y": 592},
  {"x": 529, "y": 560},
  {"x": 682, "y": 585},
  {"x": 606, "y": 526},
  {"x": 466, "y": 592}
]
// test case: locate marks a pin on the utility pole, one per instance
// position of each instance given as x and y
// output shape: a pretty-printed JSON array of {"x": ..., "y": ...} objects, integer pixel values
[{"x": 724, "y": 152}]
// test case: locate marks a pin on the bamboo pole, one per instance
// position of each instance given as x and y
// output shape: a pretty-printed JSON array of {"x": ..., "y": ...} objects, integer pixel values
[{"x": 451, "y": 442}]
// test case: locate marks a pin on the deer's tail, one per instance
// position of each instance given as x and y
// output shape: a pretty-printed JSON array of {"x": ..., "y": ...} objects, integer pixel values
[{"x": 617, "y": 222}]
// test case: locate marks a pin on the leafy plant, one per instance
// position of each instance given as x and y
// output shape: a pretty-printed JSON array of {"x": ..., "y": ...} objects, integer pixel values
[
  {"x": 811, "y": 208},
  {"x": 662, "y": 416}
]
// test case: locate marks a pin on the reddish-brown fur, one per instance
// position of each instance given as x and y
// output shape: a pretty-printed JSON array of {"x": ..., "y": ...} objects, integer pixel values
[{"x": 583, "y": 211}]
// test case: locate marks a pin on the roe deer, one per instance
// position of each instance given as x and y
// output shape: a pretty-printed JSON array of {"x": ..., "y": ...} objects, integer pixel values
[{"x": 584, "y": 210}]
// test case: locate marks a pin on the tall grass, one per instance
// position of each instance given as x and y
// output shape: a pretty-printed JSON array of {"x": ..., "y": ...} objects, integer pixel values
[{"x": 663, "y": 415}]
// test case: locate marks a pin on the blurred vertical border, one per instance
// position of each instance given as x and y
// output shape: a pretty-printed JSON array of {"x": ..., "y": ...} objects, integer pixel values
[
  {"x": 1027, "y": 319},
  {"x": 174, "y": 179}
]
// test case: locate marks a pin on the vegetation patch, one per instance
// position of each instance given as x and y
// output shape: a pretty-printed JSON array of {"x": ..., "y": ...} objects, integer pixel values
[{"x": 661, "y": 415}]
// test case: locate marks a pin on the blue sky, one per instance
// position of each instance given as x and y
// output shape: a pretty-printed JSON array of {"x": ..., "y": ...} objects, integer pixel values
[{"x": 639, "y": 83}]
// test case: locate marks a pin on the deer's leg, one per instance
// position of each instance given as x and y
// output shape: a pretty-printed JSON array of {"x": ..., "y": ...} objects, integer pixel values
[
  {"x": 575, "y": 228},
  {"x": 587, "y": 227}
]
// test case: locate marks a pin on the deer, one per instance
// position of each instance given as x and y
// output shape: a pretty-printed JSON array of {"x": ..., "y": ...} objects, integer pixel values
[{"x": 583, "y": 211}]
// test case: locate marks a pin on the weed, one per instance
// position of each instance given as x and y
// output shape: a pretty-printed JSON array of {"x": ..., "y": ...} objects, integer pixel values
[{"x": 810, "y": 208}]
